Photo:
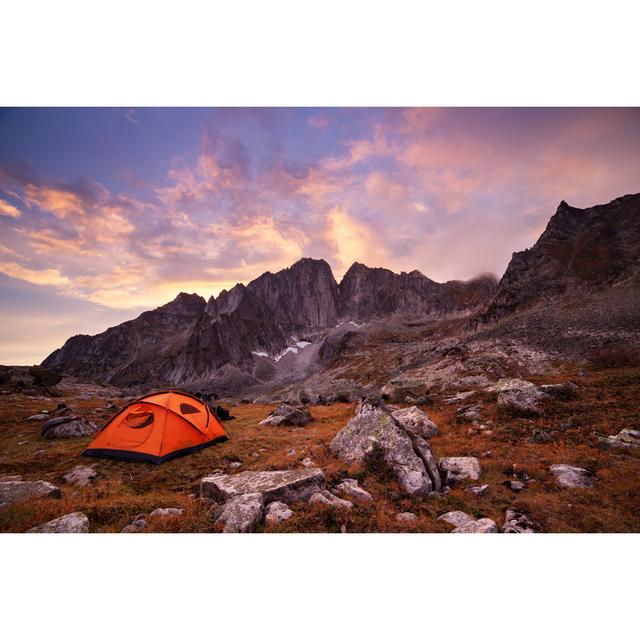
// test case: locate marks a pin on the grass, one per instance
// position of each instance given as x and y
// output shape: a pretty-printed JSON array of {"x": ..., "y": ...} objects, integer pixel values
[{"x": 608, "y": 401}]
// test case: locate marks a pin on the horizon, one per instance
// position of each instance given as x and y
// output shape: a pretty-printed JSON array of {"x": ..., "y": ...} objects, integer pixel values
[{"x": 108, "y": 212}]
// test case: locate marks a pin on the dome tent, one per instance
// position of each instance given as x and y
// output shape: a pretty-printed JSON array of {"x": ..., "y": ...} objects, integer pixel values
[{"x": 158, "y": 427}]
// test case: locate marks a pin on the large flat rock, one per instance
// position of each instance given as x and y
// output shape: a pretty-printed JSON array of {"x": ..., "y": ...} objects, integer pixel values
[
  {"x": 283, "y": 486},
  {"x": 76, "y": 522},
  {"x": 18, "y": 490}
]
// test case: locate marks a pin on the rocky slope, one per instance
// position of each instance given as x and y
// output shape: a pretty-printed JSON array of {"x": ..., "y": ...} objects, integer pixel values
[
  {"x": 580, "y": 250},
  {"x": 577, "y": 289},
  {"x": 239, "y": 337}
]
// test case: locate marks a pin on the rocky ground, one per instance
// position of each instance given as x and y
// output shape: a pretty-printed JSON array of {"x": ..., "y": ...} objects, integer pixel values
[{"x": 550, "y": 451}]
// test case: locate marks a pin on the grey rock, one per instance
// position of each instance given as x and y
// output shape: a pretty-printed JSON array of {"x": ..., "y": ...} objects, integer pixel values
[
  {"x": 456, "y": 518},
  {"x": 469, "y": 414},
  {"x": 407, "y": 518},
  {"x": 277, "y": 512},
  {"x": 76, "y": 522},
  {"x": 540, "y": 436},
  {"x": 572, "y": 477},
  {"x": 519, "y": 397},
  {"x": 242, "y": 513},
  {"x": 81, "y": 476},
  {"x": 456, "y": 469},
  {"x": 416, "y": 422},
  {"x": 284, "y": 486},
  {"x": 288, "y": 415},
  {"x": 479, "y": 490},
  {"x": 14, "y": 491},
  {"x": 68, "y": 427},
  {"x": 308, "y": 463},
  {"x": 372, "y": 432},
  {"x": 625, "y": 439},
  {"x": 483, "y": 525},
  {"x": 515, "y": 485},
  {"x": 561, "y": 391},
  {"x": 327, "y": 498},
  {"x": 37, "y": 417},
  {"x": 350, "y": 490},
  {"x": 517, "y": 522},
  {"x": 164, "y": 512}
]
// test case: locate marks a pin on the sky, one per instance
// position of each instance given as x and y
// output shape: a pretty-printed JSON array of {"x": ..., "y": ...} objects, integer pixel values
[{"x": 105, "y": 213}]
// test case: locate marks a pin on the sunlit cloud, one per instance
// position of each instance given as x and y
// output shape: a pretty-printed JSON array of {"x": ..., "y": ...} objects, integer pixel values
[
  {"x": 49, "y": 277},
  {"x": 7, "y": 209}
]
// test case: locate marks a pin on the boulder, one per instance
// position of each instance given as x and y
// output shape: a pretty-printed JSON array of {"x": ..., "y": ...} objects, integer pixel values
[
  {"x": 76, "y": 522},
  {"x": 456, "y": 469},
  {"x": 518, "y": 397},
  {"x": 242, "y": 513},
  {"x": 515, "y": 485},
  {"x": 517, "y": 522},
  {"x": 570, "y": 477},
  {"x": 472, "y": 413},
  {"x": 165, "y": 512},
  {"x": 14, "y": 491},
  {"x": 373, "y": 434},
  {"x": 350, "y": 490},
  {"x": 277, "y": 512},
  {"x": 626, "y": 439},
  {"x": 416, "y": 421},
  {"x": 81, "y": 476},
  {"x": 284, "y": 486},
  {"x": 68, "y": 427},
  {"x": 456, "y": 518},
  {"x": 288, "y": 415},
  {"x": 562, "y": 391},
  {"x": 327, "y": 498},
  {"x": 308, "y": 463},
  {"x": 483, "y": 525},
  {"x": 407, "y": 518},
  {"x": 38, "y": 417}
]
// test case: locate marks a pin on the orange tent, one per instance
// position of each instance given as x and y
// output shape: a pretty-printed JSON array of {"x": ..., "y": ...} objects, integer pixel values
[{"x": 157, "y": 428}]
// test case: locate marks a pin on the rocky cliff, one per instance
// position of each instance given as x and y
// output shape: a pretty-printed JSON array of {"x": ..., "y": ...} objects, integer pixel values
[{"x": 581, "y": 250}]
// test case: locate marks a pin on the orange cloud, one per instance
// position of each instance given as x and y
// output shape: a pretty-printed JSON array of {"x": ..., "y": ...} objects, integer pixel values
[
  {"x": 7, "y": 209},
  {"x": 35, "y": 276}
]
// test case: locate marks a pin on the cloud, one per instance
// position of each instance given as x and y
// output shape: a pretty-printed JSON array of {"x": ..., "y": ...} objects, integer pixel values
[
  {"x": 35, "y": 276},
  {"x": 353, "y": 241},
  {"x": 7, "y": 209}
]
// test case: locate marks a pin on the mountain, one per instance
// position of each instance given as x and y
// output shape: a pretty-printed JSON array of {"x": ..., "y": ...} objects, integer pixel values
[
  {"x": 577, "y": 289},
  {"x": 581, "y": 251},
  {"x": 225, "y": 340},
  {"x": 367, "y": 293}
]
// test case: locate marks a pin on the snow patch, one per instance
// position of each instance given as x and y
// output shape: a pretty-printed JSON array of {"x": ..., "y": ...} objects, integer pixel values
[
  {"x": 262, "y": 354},
  {"x": 282, "y": 354},
  {"x": 302, "y": 344}
]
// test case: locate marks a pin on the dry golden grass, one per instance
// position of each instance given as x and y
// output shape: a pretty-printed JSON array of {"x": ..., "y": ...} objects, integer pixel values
[{"x": 609, "y": 401}]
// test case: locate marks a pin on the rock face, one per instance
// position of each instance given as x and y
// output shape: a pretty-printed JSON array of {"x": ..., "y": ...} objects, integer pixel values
[
  {"x": 18, "y": 490},
  {"x": 456, "y": 469},
  {"x": 242, "y": 513},
  {"x": 367, "y": 293},
  {"x": 192, "y": 341},
  {"x": 281, "y": 486},
  {"x": 76, "y": 522},
  {"x": 374, "y": 436},
  {"x": 416, "y": 422},
  {"x": 483, "y": 525},
  {"x": 68, "y": 427},
  {"x": 289, "y": 416},
  {"x": 570, "y": 477},
  {"x": 580, "y": 249},
  {"x": 81, "y": 476}
]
